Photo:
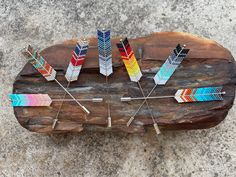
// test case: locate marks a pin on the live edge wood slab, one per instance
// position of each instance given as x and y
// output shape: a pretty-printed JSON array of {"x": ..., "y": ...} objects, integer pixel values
[{"x": 207, "y": 64}]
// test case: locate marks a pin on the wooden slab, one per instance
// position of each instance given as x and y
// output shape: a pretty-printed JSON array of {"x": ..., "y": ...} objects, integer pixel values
[{"x": 207, "y": 64}]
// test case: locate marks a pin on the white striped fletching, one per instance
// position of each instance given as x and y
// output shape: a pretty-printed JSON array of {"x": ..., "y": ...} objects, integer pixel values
[
  {"x": 77, "y": 60},
  {"x": 30, "y": 100},
  {"x": 199, "y": 94},
  {"x": 170, "y": 65},
  {"x": 104, "y": 50}
]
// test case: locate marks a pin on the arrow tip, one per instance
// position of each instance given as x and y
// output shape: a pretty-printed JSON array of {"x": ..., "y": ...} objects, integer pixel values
[
  {"x": 54, "y": 123},
  {"x": 109, "y": 122}
]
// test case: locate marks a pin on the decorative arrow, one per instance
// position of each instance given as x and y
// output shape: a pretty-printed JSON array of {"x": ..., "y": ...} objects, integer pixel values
[
  {"x": 165, "y": 72},
  {"x": 202, "y": 94},
  {"x": 73, "y": 70},
  {"x": 105, "y": 62},
  {"x": 134, "y": 72},
  {"x": 29, "y": 100}
]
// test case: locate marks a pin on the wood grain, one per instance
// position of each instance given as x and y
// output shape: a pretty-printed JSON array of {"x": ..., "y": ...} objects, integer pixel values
[{"x": 207, "y": 64}]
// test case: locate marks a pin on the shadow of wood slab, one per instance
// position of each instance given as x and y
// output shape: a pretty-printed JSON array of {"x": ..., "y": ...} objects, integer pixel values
[{"x": 207, "y": 64}]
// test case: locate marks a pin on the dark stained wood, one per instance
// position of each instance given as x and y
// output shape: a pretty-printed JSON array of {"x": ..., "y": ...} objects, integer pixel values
[{"x": 207, "y": 64}]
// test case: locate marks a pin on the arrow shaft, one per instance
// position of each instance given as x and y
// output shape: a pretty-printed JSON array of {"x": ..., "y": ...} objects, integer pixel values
[
  {"x": 108, "y": 102},
  {"x": 59, "y": 110},
  {"x": 124, "y": 99},
  {"x": 95, "y": 100},
  {"x": 83, "y": 108}
]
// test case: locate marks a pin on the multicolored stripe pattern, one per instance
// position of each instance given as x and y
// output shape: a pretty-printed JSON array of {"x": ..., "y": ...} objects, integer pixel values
[
  {"x": 170, "y": 65},
  {"x": 199, "y": 94},
  {"x": 129, "y": 60},
  {"x": 30, "y": 100},
  {"x": 104, "y": 50},
  {"x": 41, "y": 65},
  {"x": 77, "y": 60}
]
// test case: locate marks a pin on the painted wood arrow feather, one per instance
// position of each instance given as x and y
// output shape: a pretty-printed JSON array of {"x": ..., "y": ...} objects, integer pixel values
[
  {"x": 77, "y": 60},
  {"x": 30, "y": 100},
  {"x": 42, "y": 66},
  {"x": 170, "y": 65},
  {"x": 199, "y": 94},
  {"x": 104, "y": 50},
  {"x": 129, "y": 60}
]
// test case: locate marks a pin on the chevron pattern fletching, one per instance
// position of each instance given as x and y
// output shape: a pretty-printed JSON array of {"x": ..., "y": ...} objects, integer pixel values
[
  {"x": 170, "y": 65},
  {"x": 104, "y": 50},
  {"x": 30, "y": 100},
  {"x": 41, "y": 65},
  {"x": 129, "y": 60},
  {"x": 77, "y": 60},
  {"x": 199, "y": 94}
]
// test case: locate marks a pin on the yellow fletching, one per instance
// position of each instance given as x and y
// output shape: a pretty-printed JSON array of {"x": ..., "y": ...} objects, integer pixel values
[{"x": 132, "y": 66}]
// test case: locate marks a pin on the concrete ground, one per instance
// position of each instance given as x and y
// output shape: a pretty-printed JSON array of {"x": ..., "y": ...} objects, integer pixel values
[{"x": 208, "y": 153}]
